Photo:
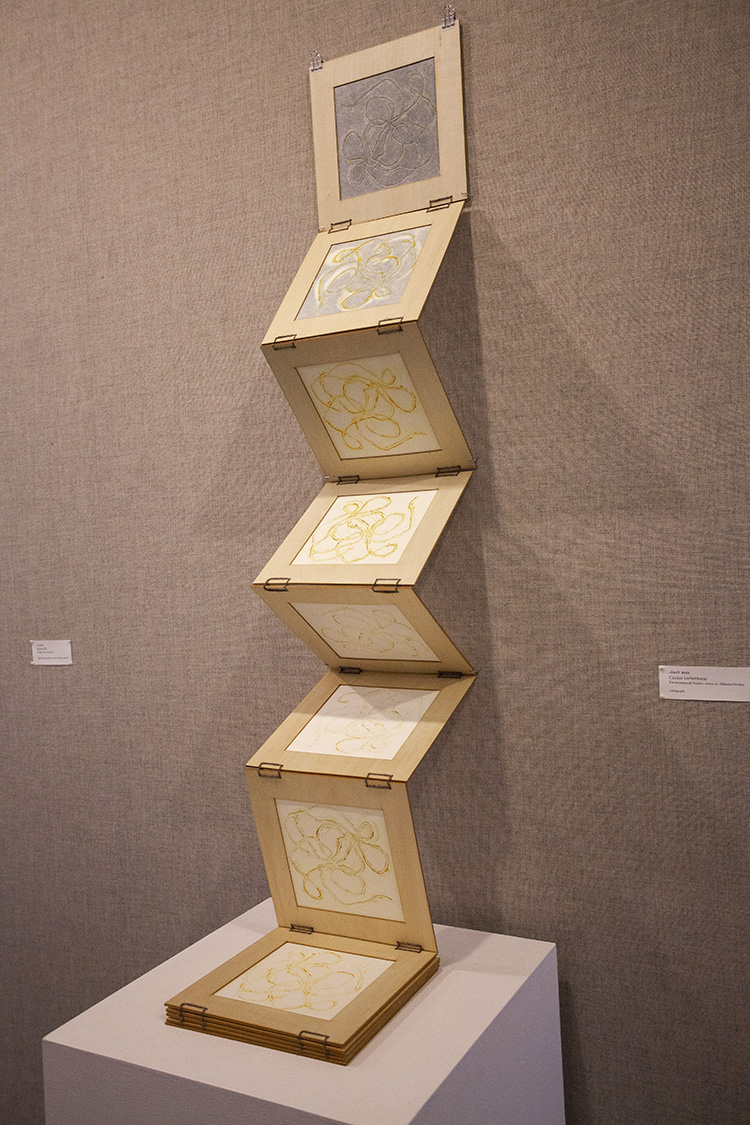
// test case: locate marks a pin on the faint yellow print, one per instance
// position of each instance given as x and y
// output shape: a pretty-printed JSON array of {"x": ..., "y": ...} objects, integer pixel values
[
  {"x": 369, "y": 406},
  {"x": 366, "y": 273},
  {"x": 340, "y": 859},
  {"x": 366, "y": 632},
  {"x": 298, "y": 978},
  {"x": 367, "y": 528},
  {"x": 363, "y": 722}
]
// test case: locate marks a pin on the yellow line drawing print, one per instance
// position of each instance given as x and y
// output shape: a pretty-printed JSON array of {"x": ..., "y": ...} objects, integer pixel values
[
  {"x": 366, "y": 529},
  {"x": 340, "y": 859},
  {"x": 369, "y": 406},
  {"x": 369, "y": 632},
  {"x": 299, "y": 978},
  {"x": 371, "y": 272},
  {"x": 357, "y": 722}
]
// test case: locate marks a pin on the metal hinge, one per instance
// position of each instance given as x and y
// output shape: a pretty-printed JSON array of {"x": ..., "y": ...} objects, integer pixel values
[
  {"x": 379, "y": 780},
  {"x": 269, "y": 769},
  {"x": 284, "y": 342},
  {"x": 409, "y": 947},
  {"x": 348, "y": 480},
  {"x": 301, "y": 929},
  {"x": 342, "y": 224},
  {"x": 448, "y": 471},
  {"x": 449, "y": 675},
  {"x": 313, "y": 1039},
  {"x": 344, "y": 670},
  {"x": 390, "y": 324},
  {"x": 316, "y": 61},
  {"x": 385, "y": 586},
  {"x": 194, "y": 1010},
  {"x": 276, "y": 585},
  {"x": 440, "y": 204}
]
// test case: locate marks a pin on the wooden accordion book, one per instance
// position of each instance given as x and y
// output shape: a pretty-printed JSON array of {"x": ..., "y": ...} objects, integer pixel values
[{"x": 328, "y": 789}]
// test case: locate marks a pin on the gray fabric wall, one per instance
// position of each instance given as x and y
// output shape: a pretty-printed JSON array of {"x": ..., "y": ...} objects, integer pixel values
[{"x": 591, "y": 325}]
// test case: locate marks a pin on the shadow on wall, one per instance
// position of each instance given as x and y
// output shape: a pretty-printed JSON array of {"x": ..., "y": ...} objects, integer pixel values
[
  {"x": 560, "y": 459},
  {"x": 455, "y": 588}
]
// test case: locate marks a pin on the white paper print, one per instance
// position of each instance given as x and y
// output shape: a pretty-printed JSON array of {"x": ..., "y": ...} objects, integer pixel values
[
  {"x": 301, "y": 978},
  {"x": 363, "y": 722}
]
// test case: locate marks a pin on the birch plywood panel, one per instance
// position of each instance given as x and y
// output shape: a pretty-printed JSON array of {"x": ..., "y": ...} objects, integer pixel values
[
  {"x": 341, "y": 856},
  {"x": 376, "y": 271},
  {"x": 388, "y": 127},
  {"x": 373, "y": 722},
  {"x": 370, "y": 404},
  {"x": 319, "y": 994},
  {"x": 378, "y": 534},
  {"x": 375, "y": 630}
]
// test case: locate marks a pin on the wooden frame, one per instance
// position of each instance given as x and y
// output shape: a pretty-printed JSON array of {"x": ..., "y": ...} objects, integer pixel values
[
  {"x": 370, "y": 404},
  {"x": 442, "y": 45},
  {"x": 328, "y": 788},
  {"x": 385, "y": 268},
  {"x": 337, "y": 1039},
  {"x": 415, "y": 642},
  {"x": 432, "y": 699},
  {"x": 393, "y": 522},
  {"x": 375, "y": 823}
]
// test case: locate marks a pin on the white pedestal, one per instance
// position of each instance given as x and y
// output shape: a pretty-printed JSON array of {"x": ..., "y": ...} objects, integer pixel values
[{"x": 479, "y": 1044}]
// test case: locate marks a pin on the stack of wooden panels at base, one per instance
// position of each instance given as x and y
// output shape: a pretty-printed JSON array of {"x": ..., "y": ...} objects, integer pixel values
[
  {"x": 345, "y": 1033},
  {"x": 328, "y": 789}
]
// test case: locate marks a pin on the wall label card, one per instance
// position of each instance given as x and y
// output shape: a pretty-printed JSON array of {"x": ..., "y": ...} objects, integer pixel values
[
  {"x": 51, "y": 652},
  {"x": 716, "y": 684}
]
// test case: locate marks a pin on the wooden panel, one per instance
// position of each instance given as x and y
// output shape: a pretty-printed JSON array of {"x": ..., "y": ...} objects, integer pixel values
[
  {"x": 343, "y": 826},
  {"x": 389, "y": 118},
  {"x": 359, "y": 534},
  {"x": 307, "y": 1044},
  {"x": 372, "y": 272},
  {"x": 355, "y": 626},
  {"x": 270, "y": 1025},
  {"x": 364, "y": 722},
  {"x": 370, "y": 404}
]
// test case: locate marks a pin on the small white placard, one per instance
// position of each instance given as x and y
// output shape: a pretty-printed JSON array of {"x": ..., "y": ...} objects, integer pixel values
[
  {"x": 51, "y": 652},
  {"x": 679, "y": 682}
]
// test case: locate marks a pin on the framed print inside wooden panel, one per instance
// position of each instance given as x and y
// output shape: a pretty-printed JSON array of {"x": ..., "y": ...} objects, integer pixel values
[
  {"x": 287, "y": 983},
  {"x": 375, "y": 272},
  {"x": 374, "y": 530},
  {"x": 374, "y": 631},
  {"x": 373, "y": 722},
  {"x": 341, "y": 856},
  {"x": 388, "y": 127},
  {"x": 320, "y": 982},
  {"x": 370, "y": 404}
]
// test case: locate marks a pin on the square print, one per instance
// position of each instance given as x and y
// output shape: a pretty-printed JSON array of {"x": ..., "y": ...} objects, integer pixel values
[
  {"x": 369, "y": 528},
  {"x": 366, "y": 631},
  {"x": 301, "y": 978},
  {"x": 340, "y": 859},
  {"x": 369, "y": 406},
  {"x": 366, "y": 273},
  {"x": 363, "y": 722},
  {"x": 386, "y": 129}
]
